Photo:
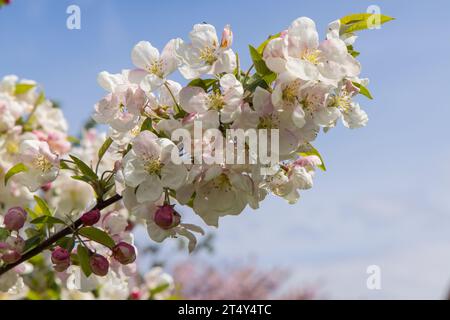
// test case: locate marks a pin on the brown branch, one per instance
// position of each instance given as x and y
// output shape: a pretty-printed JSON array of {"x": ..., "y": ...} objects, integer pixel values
[{"x": 57, "y": 236}]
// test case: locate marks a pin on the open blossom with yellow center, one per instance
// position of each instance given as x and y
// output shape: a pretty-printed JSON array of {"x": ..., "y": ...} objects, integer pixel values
[
  {"x": 342, "y": 101},
  {"x": 42, "y": 165},
  {"x": 149, "y": 169},
  {"x": 312, "y": 56},
  {"x": 153, "y": 166},
  {"x": 208, "y": 55},
  {"x": 156, "y": 68},
  {"x": 216, "y": 101},
  {"x": 291, "y": 92}
]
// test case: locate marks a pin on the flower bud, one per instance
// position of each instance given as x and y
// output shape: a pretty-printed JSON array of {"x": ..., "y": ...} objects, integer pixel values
[
  {"x": 61, "y": 259},
  {"x": 10, "y": 256},
  {"x": 60, "y": 255},
  {"x": 166, "y": 217},
  {"x": 99, "y": 265},
  {"x": 135, "y": 295},
  {"x": 90, "y": 218},
  {"x": 15, "y": 218},
  {"x": 124, "y": 252},
  {"x": 227, "y": 37}
]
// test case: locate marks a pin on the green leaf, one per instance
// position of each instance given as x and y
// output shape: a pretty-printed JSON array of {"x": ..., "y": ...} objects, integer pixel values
[
  {"x": 22, "y": 88},
  {"x": 42, "y": 204},
  {"x": 258, "y": 61},
  {"x": 4, "y": 233},
  {"x": 67, "y": 243},
  {"x": 83, "y": 259},
  {"x": 362, "y": 21},
  {"x": 31, "y": 213},
  {"x": 263, "y": 45},
  {"x": 47, "y": 220},
  {"x": 309, "y": 150},
  {"x": 352, "y": 51},
  {"x": 363, "y": 90},
  {"x": 73, "y": 140},
  {"x": 159, "y": 289},
  {"x": 84, "y": 168},
  {"x": 98, "y": 236},
  {"x": 105, "y": 146},
  {"x": 18, "y": 168},
  {"x": 202, "y": 83},
  {"x": 40, "y": 99},
  {"x": 147, "y": 125},
  {"x": 63, "y": 165}
]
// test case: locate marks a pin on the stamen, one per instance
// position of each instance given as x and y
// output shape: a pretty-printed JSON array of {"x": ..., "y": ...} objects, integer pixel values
[
  {"x": 208, "y": 54},
  {"x": 42, "y": 163}
]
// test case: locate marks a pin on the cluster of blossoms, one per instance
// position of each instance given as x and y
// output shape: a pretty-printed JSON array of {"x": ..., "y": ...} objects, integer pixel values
[
  {"x": 300, "y": 86},
  {"x": 169, "y": 145}
]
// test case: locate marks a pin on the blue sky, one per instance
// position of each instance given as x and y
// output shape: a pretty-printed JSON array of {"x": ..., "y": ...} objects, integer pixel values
[{"x": 384, "y": 199}]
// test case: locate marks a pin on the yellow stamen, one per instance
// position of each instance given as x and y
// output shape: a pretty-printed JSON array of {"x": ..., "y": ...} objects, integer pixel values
[
  {"x": 42, "y": 163},
  {"x": 208, "y": 54}
]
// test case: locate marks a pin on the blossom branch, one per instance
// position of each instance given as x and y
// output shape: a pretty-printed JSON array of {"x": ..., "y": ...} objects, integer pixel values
[{"x": 101, "y": 204}]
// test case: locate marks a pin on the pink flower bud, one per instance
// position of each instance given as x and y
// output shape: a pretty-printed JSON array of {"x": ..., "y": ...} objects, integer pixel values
[
  {"x": 135, "y": 295},
  {"x": 60, "y": 255},
  {"x": 124, "y": 252},
  {"x": 11, "y": 256},
  {"x": 15, "y": 218},
  {"x": 166, "y": 217},
  {"x": 61, "y": 259},
  {"x": 99, "y": 265},
  {"x": 90, "y": 218},
  {"x": 227, "y": 37}
]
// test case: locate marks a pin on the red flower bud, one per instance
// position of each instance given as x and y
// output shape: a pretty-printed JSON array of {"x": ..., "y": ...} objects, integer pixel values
[
  {"x": 166, "y": 217},
  {"x": 99, "y": 265},
  {"x": 60, "y": 255},
  {"x": 15, "y": 218},
  {"x": 10, "y": 256},
  {"x": 124, "y": 253},
  {"x": 61, "y": 259},
  {"x": 90, "y": 218},
  {"x": 135, "y": 295}
]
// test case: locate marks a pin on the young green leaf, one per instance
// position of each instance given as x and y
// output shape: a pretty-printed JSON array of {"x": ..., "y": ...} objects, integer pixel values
[
  {"x": 22, "y": 88},
  {"x": 309, "y": 150},
  {"x": 83, "y": 259},
  {"x": 104, "y": 148},
  {"x": 363, "y": 90},
  {"x": 47, "y": 220},
  {"x": 18, "y": 168},
  {"x": 362, "y": 21},
  {"x": 98, "y": 236},
  {"x": 4, "y": 233},
  {"x": 40, "y": 99},
  {"x": 147, "y": 125},
  {"x": 202, "y": 83},
  {"x": 84, "y": 168},
  {"x": 43, "y": 206}
]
